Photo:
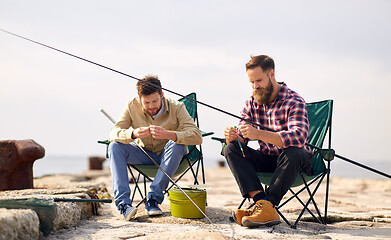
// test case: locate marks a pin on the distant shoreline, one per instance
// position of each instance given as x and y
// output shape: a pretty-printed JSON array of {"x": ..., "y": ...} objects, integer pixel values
[{"x": 50, "y": 165}]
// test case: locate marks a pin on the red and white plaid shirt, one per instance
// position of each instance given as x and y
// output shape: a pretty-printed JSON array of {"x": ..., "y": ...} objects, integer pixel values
[{"x": 287, "y": 114}]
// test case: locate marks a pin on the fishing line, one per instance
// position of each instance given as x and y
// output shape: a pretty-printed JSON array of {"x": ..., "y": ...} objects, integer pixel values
[
  {"x": 127, "y": 75},
  {"x": 202, "y": 103}
]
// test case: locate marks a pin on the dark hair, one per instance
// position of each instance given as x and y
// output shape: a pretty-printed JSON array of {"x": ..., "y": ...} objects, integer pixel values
[
  {"x": 263, "y": 61},
  {"x": 149, "y": 84}
]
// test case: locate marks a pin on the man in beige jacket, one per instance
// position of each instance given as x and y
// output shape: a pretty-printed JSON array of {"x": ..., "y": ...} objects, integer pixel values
[{"x": 160, "y": 125}]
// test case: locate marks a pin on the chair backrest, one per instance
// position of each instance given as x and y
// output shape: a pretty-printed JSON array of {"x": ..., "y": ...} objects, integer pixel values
[
  {"x": 191, "y": 107},
  {"x": 319, "y": 117}
]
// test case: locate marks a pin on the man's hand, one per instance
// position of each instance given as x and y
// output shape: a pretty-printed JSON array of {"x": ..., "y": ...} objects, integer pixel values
[
  {"x": 230, "y": 134},
  {"x": 249, "y": 131},
  {"x": 141, "y": 132},
  {"x": 159, "y": 132}
]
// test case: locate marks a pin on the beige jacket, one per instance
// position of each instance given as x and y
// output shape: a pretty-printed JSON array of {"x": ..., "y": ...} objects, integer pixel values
[{"x": 175, "y": 118}]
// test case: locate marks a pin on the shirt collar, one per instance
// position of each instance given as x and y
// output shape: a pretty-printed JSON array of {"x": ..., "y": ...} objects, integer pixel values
[
  {"x": 283, "y": 93},
  {"x": 162, "y": 109}
]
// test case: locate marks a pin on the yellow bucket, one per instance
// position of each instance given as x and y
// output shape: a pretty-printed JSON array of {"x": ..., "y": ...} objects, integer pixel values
[{"x": 182, "y": 207}]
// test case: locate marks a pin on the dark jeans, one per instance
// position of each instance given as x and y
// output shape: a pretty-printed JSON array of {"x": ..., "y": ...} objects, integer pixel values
[{"x": 285, "y": 167}]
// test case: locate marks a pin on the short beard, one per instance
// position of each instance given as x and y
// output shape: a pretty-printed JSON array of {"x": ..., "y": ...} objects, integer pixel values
[{"x": 262, "y": 95}]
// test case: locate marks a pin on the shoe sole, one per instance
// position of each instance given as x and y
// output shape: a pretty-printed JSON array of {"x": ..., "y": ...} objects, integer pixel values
[
  {"x": 131, "y": 215},
  {"x": 251, "y": 224},
  {"x": 153, "y": 213},
  {"x": 234, "y": 218}
]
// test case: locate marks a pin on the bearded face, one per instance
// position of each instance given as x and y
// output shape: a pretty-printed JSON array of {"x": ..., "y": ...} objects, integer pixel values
[
  {"x": 151, "y": 103},
  {"x": 262, "y": 95}
]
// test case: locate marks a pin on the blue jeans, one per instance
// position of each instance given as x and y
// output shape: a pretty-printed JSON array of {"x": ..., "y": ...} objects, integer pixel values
[{"x": 121, "y": 154}]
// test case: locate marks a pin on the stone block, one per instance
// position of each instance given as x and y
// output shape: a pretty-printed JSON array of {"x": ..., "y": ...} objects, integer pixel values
[
  {"x": 68, "y": 215},
  {"x": 18, "y": 224}
]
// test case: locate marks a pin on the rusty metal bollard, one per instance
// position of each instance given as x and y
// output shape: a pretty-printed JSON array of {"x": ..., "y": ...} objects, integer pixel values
[
  {"x": 16, "y": 163},
  {"x": 95, "y": 162}
]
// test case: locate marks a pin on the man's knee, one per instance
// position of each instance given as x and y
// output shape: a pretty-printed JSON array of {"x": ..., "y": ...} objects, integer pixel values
[
  {"x": 115, "y": 147},
  {"x": 229, "y": 148},
  {"x": 296, "y": 156},
  {"x": 181, "y": 148},
  {"x": 292, "y": 152},
  {"x": 176, "y": 148}
]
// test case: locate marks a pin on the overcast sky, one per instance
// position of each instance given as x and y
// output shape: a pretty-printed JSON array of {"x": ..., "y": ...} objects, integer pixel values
[{"x": 336, "y": 50}]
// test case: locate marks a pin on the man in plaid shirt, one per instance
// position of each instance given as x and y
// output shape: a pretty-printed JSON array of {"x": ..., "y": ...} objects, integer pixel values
[{"x": 282, "y": 152}]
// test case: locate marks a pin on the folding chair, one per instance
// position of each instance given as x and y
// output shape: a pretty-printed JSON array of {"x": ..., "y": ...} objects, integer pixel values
[
  {"x": 319, "y": 116},
  {"x": 194, "y": 159}
]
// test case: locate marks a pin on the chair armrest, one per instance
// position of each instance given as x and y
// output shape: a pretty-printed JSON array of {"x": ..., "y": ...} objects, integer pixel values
[
  {"x": 222, "y": 140},
  {"x": 327, "y": 154},
  {"x": 107, "y": 142},
  {"x": 204, "y": 134},
  {"x": 223, "y": 144}
]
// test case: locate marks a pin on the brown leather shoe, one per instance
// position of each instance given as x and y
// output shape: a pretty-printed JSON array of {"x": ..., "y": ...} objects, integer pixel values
[
  {"x": 263, "y": 214},
  {"x": 238, "y": 214}
]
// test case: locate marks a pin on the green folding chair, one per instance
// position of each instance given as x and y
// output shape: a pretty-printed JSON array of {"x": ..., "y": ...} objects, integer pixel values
[
  {"x": 192, "y": 162},
  {"x": 319, "y": 116}
]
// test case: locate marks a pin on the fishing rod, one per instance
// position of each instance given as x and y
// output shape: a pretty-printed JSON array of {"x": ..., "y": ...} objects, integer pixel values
[
  {"x": 105, "y": 200},
  {"x": 130, "y": 76},
  {"x": 183, "y": 96}
]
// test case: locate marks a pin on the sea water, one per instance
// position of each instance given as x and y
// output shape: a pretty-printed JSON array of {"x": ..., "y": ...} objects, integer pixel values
[{"x": 50, "y": 165}]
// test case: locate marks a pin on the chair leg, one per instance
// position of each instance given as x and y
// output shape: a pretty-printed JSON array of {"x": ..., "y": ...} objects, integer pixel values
[
  {"x": 241, "y": 204},
  {"x": 178, "y": 178},
  {"x": 141, "y": 202},
  {"x": 202, "y": 170},
  {"x": 311, "y": 199},
  {"x": 284, "y": 218},
  {"x": 136, "y": 187},
  {"x": 305, "y": 207},
  {"x": 313, "y": 194},
  {"x": 200, "y": 164},
  {"x": 295, "y": 195},
  {"x": 136, "y": 181},
  {"x": 327, "y": 192},
  {"x": 192, "y": 171}
]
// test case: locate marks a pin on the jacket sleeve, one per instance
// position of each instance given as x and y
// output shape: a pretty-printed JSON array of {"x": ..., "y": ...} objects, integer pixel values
[
  {"x": 122, "y": 130},
  {"x": 187, "y": 132}
]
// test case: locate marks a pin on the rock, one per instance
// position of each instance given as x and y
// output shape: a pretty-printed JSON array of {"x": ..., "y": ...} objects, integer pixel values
[
  {"x": 68, "y": 215},
  {"x": 16, "y": 163},
  {"x": 95, "y": 162},
  {"x": 18, "y": 224},
  {"x": 45, "y": 209}
]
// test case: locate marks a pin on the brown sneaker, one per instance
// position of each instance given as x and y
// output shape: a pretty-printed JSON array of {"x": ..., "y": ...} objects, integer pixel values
[
  {"x": 263, "y": 214},
  {"x": 238, "y": 214}
]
